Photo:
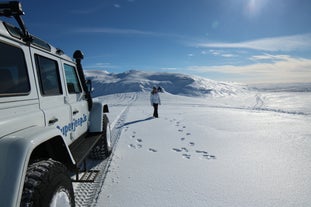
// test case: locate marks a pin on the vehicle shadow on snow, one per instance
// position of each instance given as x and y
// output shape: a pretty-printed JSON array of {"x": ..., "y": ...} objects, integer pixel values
[{"x": 137, "y": 121}]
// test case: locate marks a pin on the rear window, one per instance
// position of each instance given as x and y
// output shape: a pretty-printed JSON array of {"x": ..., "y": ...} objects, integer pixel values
[{"x": 13, "y": 71}]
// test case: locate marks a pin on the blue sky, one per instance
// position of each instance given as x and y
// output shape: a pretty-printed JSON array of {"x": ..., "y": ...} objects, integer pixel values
[{"x": 232, "y": 40}]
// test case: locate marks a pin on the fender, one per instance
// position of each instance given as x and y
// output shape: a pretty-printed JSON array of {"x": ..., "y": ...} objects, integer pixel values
[
  {"x": 96, "y": 116},
  {"x": 15, "y": 152}
]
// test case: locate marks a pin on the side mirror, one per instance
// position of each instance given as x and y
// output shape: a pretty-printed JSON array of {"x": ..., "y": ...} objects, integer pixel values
[
  {"x": 89, "y": 86},
  {"x": 106, "y": 109}
]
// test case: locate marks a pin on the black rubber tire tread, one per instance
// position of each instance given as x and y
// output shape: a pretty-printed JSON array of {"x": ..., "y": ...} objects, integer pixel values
[
  {"x": 101, "y": 151},
  {"x": 42, "y": 180}
]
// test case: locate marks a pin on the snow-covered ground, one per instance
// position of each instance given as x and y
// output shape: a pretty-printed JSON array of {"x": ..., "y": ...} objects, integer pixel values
[{"x": 249, "y": 148}]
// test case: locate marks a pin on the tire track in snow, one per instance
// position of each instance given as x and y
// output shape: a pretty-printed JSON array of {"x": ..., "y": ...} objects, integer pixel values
[
  {"x": 86, "y": 194},
  {"x": 259, "y": 102},
  {"x": 264, "y": 109},
  {"x": 260, "y": 106}
]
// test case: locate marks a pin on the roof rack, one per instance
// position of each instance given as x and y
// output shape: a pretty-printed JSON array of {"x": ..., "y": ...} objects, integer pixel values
[{"x": 14, "y": 9}]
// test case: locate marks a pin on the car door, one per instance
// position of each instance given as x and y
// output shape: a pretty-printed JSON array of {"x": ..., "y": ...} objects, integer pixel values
[
  {"x": 52, "y": 102},
  {"x": 75, "y": 97},
  {"x": 19, "y": 104}
]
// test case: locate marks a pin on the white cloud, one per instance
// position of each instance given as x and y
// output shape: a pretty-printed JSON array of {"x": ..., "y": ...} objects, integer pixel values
[
  {"x": 227, "y": 55},
  {"x": 123, "y": 31},
  {"x": 269, "y": 57},
  {"x": 115, "y": 31},
  {"x": 214, "y": 52},
  {"x": 286, "y": 43},
  {"x": 100, "y": 65},
  {"x": 219, "y": 53},
  {"x": 168, "y": 69},
  {"x": 283, "y": 68}
]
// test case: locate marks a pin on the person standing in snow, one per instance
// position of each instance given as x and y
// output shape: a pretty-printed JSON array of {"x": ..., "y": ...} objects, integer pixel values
[{"x": 155, "y": 101}]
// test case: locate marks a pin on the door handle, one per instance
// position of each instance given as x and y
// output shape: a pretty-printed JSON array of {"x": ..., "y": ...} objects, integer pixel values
[
  {"x": 75, "y": 112},
  {"x": 53, "y": 121}
]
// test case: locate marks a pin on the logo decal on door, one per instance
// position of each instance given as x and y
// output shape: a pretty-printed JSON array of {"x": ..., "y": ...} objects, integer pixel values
[{"x": 72, "y": 126}]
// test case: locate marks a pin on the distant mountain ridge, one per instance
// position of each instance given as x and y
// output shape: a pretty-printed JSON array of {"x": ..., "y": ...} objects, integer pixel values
[{"x": 106, "y": 83}]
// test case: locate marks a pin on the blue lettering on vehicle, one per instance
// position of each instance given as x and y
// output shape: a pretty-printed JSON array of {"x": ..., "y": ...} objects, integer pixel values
[{"x": 72, "y": 126}]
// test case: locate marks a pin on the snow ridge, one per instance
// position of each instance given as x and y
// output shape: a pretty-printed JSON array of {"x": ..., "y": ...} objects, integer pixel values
[{"x": 106, "y": 83}]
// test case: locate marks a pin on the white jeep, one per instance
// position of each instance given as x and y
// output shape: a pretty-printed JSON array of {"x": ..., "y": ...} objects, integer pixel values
[{"x": 49, "y": 123}]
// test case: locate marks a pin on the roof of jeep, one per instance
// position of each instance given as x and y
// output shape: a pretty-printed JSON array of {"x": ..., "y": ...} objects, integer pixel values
[{"x": 12, "y": 32}]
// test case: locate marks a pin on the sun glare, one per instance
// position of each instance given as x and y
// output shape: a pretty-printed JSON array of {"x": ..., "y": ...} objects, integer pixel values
[{"x": 254, "y": 7}]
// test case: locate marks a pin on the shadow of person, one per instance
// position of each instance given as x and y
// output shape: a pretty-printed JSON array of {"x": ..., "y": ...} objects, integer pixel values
[{"x": 137, "y": 121}]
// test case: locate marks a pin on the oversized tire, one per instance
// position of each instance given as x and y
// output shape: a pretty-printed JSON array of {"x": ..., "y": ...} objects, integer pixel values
[
  {"x": 47, "y": 183},
  {"x": 103, "y": 148}
]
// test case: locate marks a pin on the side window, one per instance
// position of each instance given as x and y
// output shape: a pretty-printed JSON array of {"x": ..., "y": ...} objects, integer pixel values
[
  {"x": 49, "y": 78},
  {"x": 72, "y": 80},
  {"x": 13, "y": 71}
]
